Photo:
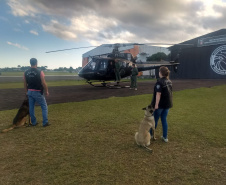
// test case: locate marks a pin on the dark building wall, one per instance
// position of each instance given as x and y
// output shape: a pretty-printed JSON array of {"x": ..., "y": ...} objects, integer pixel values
[{"x": 195, "y": 61}]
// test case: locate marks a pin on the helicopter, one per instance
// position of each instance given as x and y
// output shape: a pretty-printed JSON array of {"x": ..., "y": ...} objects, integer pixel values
[{"x": 102, "y": 69}]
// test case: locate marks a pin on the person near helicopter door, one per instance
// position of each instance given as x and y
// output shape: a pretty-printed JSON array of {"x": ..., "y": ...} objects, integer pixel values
[
  {"x": 133, "y": 77},
  {"x": 162, "y": 100},
  {"x": 110, "y": 69},
  {"x": 117, "y": 71}
]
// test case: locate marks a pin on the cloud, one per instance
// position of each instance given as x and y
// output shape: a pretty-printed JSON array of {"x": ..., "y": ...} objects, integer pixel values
[
  {"x": 59, "y": 30},
  {"x": 34, "y": 32},
  {"x": 17, "y": 45},
  {"x": 109, "y": 21},
  {"x": 22, "y": 8}
]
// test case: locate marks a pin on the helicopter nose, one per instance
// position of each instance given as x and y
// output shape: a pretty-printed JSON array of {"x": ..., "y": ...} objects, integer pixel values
[{"x": 80, "y": 73}]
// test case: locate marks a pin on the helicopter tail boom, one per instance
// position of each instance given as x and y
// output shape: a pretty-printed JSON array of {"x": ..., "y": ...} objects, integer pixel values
[{"x": 156, "y": 65}]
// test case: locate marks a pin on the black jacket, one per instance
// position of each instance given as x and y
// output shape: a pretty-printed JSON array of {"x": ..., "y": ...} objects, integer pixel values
[{"x": 164, "y": 86}]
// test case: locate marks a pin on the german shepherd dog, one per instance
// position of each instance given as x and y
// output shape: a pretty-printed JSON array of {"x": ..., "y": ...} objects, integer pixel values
[
  {"x": 20, "y": 118},
  {"x": 143, "y": 137}
]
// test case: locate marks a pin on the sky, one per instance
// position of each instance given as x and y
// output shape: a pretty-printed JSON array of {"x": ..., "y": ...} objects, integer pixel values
[{"x": 30, "y": 28}]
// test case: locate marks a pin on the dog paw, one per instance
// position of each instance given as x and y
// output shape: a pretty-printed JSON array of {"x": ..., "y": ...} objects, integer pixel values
[{"x": 148, "y": 149}]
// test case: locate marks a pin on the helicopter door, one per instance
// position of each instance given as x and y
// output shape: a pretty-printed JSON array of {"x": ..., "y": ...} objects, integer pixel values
[
  {"x": 103, "y": 66},
  {"x": 122, "y": 68}
]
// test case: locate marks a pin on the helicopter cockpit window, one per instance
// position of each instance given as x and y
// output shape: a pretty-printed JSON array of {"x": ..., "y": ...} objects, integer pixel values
[
  {"x": 122, "y": 63},
  {"x": 91, "y": 65},
  {"x": 103, "y": 64}
]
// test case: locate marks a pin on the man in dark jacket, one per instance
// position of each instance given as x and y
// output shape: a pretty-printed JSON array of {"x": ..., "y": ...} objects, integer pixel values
[{"x": 35, "y": 84}]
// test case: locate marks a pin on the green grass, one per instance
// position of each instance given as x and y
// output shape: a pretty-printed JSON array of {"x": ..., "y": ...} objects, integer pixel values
[
  {"x": 14, "y": 85},
  {"x": 21, "y": 73},
  {"x": 92, "y": 142}
]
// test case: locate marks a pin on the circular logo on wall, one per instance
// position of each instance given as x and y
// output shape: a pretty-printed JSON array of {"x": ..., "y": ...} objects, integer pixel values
[{"x": 218, "y": 60}]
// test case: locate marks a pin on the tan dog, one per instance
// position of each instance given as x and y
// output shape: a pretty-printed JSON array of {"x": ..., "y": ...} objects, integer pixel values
[
  {"x": 143, "y": 137},
  {"x": 20, "y": 118}
]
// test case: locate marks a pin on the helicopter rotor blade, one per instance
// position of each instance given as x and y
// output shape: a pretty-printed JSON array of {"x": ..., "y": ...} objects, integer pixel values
[
  {"x": 119, "y": 45},
  {"x": 69, "y": 49},
  {"x": 152, "y": 44},
  {"x": 169, "y": 44}
]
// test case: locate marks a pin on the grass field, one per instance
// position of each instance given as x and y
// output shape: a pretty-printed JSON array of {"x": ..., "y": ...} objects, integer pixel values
[
  {"x": 92, "y": 142},
  {"x": 13, "y": 85},
  {"x": 20, "y": 73}
]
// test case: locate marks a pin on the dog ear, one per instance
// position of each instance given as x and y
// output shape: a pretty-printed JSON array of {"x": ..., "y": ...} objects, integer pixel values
[
  {"x": 144, "y": 108},
  {"x": 150, "y": 106},
  {"x": 151, "y": 111},
  {"x": 25, "y": 102}
]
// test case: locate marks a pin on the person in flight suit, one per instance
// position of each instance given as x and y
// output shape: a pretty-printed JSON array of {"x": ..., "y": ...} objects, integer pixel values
[
  {"x": 110, "y": 69},
  {"x": 162, "y": 100},
  {"x": 117, "y": 71},
  {"x": 134, "y": 73},
  {"x": 34, "y": 84}
]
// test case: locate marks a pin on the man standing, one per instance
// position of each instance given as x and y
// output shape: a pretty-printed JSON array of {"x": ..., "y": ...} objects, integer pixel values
[
  {"x": 117, "y": 71},
  {"x": 34, "y": 84},
  {"x": 110, "y": 69},
  {"x": 134, "y": 73}
]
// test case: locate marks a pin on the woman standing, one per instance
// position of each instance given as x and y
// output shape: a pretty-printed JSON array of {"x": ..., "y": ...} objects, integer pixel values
[{"x": 162, "y": 100}]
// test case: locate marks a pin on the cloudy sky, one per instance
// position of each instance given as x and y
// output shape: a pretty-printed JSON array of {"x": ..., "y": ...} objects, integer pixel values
[{"x": 29, "y": 28}]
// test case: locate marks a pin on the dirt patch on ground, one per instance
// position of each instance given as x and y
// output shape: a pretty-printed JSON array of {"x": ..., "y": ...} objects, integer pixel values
[{"x": 12, "y": 98}]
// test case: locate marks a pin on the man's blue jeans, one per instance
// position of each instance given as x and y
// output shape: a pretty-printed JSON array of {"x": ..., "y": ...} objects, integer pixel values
[
  {"x": 163, "y": 114},
  {"x": 36, "y": 96}
]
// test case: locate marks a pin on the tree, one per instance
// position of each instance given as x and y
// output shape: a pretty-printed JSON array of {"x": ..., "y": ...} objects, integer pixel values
[
  {"x": 59, "y": 69},
  {"x": 43, "y": 68},
  {"x": 70, "y": 69},
  {"x": 157, "y": 57},
  {"x": 24, "y": 68},
  {"x": 78, "y": 69}
]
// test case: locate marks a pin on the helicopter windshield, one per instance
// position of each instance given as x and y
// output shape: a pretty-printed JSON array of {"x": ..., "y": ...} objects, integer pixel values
[
  {"x": 95, "y": 64},
  {"x": 91, "y": 66}
]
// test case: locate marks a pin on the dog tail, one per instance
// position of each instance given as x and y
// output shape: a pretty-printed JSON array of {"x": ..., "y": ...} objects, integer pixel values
[
  {"x": 136, "y": 139},
  {"x": 8, "y": 129}
]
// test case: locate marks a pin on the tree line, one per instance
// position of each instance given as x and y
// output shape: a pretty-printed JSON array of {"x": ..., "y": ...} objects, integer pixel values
[
  {"x": 43, "y": 68},
  {"x": 155, "y": 57},
  {"x": 159, "y": 56}
]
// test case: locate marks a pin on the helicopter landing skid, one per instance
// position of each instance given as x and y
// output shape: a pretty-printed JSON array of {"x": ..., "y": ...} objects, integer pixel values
[
  {"x": 116, "y": 86},
  {"x": 103, "y": 84},
  {"x": 110, "y": 86}
]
